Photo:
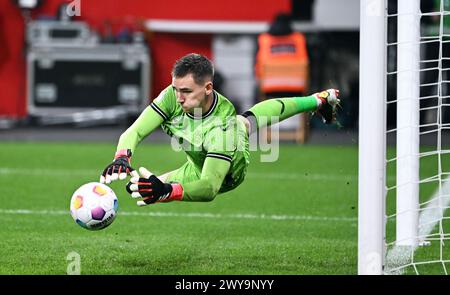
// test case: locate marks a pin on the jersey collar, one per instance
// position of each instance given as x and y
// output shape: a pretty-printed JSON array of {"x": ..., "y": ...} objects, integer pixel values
[{"x": 210, "y": 111}]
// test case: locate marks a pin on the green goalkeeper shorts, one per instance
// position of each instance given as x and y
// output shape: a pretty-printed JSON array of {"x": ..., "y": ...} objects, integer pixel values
[{"x": 190, "y": 172}]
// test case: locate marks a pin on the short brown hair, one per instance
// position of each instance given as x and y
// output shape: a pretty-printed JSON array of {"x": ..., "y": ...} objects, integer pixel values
[{"x": 198, "y": 65}]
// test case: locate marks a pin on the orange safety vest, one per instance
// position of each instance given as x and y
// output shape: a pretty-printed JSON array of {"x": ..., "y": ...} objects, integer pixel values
[{"x": 282, "y": 63}]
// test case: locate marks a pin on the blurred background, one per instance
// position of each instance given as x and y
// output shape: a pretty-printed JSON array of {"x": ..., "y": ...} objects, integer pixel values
[
  {"x": 98, "y": 64},
  {"x": 74, "y": 74}
]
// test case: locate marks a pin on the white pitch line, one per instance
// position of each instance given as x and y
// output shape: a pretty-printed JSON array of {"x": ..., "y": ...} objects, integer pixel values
[
  {"x": 429, "y": 217},
  {"x": 298, "y": 176},
  {"x": 250, "y": 175},
  {"x": 193, "y": 215},
  {"x": 45, "y": 172}
]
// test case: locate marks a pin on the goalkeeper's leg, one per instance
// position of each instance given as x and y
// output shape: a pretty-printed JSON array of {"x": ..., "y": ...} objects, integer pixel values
[{"x": 276, "y": 110}]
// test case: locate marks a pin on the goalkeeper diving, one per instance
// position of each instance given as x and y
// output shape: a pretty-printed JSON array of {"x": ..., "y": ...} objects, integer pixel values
[{"x": 214, "y": 138}]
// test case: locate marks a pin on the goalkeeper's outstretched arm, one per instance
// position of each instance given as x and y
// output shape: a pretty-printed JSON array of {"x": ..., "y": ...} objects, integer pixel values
[
  {"x": 207, "y": 187},
  {"x": 147, "y": 122}
]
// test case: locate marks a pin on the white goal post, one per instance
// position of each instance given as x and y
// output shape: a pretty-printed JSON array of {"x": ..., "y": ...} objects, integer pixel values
[
  {"x": 371, "y": 166},
  {"x": 409, "y": 159}
]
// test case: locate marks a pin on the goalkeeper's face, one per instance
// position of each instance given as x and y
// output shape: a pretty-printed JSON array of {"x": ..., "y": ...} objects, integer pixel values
[{"x": 191, "y": 95}]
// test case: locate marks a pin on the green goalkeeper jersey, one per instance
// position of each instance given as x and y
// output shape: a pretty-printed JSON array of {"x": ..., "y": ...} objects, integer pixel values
[{"x": 217, "y": 134}]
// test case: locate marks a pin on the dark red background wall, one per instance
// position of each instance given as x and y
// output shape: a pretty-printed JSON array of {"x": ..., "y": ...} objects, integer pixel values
[{"x": 165, "y": 47}]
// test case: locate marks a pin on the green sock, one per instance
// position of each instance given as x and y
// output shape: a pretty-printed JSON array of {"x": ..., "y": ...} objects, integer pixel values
[{"x": 282, "y": 108}]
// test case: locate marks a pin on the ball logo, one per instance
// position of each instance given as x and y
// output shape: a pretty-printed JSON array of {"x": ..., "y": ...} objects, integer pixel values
[{"x": 104, "y": 222}]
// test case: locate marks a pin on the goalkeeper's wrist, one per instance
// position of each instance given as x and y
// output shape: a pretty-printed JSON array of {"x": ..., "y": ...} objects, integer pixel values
[
  {"x": 123, "y": 153},
  {"x": 322, "y": 98},
  {"x": 177, "y": 192}
]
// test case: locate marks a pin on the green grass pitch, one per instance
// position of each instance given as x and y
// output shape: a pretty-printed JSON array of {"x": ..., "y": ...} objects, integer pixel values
[{"x": 297, "y": 215}]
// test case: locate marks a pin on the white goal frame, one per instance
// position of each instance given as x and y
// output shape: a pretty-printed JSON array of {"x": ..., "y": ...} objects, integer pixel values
[
  {"x": 372, "y": 126},
  {"x": 372, "y": 131}
]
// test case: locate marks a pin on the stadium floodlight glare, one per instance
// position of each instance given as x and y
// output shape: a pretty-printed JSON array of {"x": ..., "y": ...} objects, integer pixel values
[{"x": 401, "y": 212}]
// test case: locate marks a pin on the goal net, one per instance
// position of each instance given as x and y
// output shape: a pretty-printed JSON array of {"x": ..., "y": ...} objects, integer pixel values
[{"x": 404, "y": 189}]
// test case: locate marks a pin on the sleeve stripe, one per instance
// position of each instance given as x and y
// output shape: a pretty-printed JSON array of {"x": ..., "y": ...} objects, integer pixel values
[
  {"x": 159, "y": 111},
  {"x": 219, "y": 156}
]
